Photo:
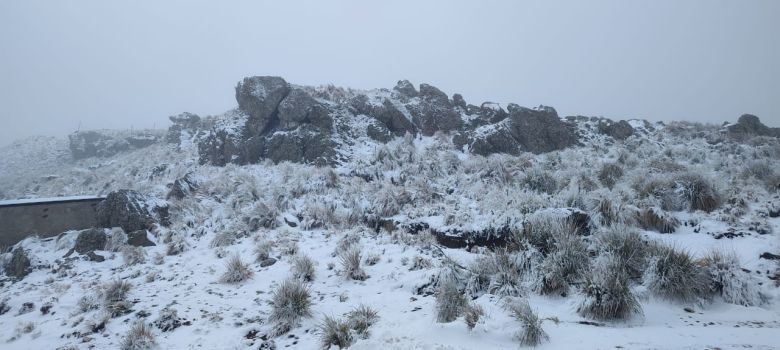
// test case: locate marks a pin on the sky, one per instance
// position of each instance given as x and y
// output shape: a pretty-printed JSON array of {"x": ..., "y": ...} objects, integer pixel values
[{"x": 68, "y": 65}]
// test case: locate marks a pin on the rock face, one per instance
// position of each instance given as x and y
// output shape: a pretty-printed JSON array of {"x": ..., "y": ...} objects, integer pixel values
[
  {"x": 535, "y": 130},
  {"x": 90, "y": 241},
  {"x": 749, "y": 125},
  {"x": 620, "y": 130},
  {"x": 19, "y": 266},
  {"x": 274, "y": 121},
  {"x": 86, "y": 144},
  {"x": 260, "y": 97},
  {"x": 283, "y": 122},
  {"x": 131, "y": 211}
]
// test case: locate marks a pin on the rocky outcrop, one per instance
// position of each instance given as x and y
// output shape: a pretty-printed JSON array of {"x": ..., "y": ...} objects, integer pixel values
[
  {"x": 274, "y": 121},
  {"x": 748, "y": 126},
  {"x": 87, "y": 144},
  {"x": 181, "y": 123},
  {"x": 405, "y": 88},
  {"x": 222, "y": 145},
  {"x": 283, "y": 122},
  {"x": 620, "y": 130},
  {"x": 540, "y": 130},
  {"x": 131, "y": 211}
]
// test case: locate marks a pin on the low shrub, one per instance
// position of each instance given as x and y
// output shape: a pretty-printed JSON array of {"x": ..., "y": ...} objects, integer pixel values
[
  {"x": 263, "y": 250},
  {"x": 334, "y": 332},
  {"x": 626, "y": 244},
  {"x": 531, "y": 333},
  {"x": 565, "y": 265},
  {"x": 361, "y": 318},
  {"x": 140, "y": 337},
  {"x": 674, "y": 275},
  {"x": 290, "y": 302},
  {"x": 114, "y": 295},
  {"x": 607, "y": 292},
  {"x": 303, "y": 268},
  {"x": 505, "y": 276},
  {"x": 236, "y": 271},
  {"x": 731, "y": 282},
  {"x": 655, "y": 219},
  {"x": 350, "y": 262},
  {"x": 450, "y": 301},
  {"x": 609, "y": 174},
  {"x": 472, "y": 314},
  {"x": 698, "y": 192},
  {"x": 133, "y": 255}
]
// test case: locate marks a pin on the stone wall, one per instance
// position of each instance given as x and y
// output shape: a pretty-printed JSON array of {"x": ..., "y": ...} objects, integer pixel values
[{"x": 46, "y": 218}]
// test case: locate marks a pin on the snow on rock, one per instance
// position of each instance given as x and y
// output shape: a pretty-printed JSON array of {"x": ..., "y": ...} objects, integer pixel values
[{"x": 416, "y": 211}]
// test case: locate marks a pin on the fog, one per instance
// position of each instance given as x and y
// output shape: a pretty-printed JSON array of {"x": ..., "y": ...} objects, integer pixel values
[{"x": 66, "y": 65}]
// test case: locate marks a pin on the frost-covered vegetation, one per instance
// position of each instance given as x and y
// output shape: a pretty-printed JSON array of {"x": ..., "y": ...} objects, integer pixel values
[{"x": 448, "y": 247}]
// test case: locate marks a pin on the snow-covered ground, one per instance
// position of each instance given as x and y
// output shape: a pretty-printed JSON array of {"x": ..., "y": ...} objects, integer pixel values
[{"x": 420, "y": 180}]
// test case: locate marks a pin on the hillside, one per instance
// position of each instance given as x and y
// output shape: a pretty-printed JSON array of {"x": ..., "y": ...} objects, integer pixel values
[{"x": 421, "y": 206}]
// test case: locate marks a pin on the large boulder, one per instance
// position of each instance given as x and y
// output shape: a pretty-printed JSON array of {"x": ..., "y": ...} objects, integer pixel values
[
  {"x": 274, "y": 121},
  {"x": 131, "y": 211},
  {"x": 182, "y": 187},
  {"x": 19, "y": 265},
  {"x": 749, "y": 125},
  {"x": 90, "y": 240},
  {"x": 536, "y": 130},
  {"x": 540, "y": 129},
  {"x": 260, "y": 97},
  {"x": 620, "y": 130},
  {"x": 494, "y": 138}
]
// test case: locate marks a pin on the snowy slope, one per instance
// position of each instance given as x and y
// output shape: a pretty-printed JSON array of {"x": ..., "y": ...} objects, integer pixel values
[{"x": 423, "y": 179}]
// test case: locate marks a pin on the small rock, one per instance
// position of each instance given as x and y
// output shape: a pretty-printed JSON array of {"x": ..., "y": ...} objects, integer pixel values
[
  {"x": 139, "y": 239},
  {"x": 95, "y": 257},
  {"x": 769, "y": 256},
  {"x": 26, "y": 307},
  {"x": 290, "y": 223},
  {"x": 267, "y": 262},
  {"x": 689, "y": 310}
]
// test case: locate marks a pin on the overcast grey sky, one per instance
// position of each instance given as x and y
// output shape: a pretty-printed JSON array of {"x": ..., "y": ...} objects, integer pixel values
[{"x": 117, "y": 64}]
